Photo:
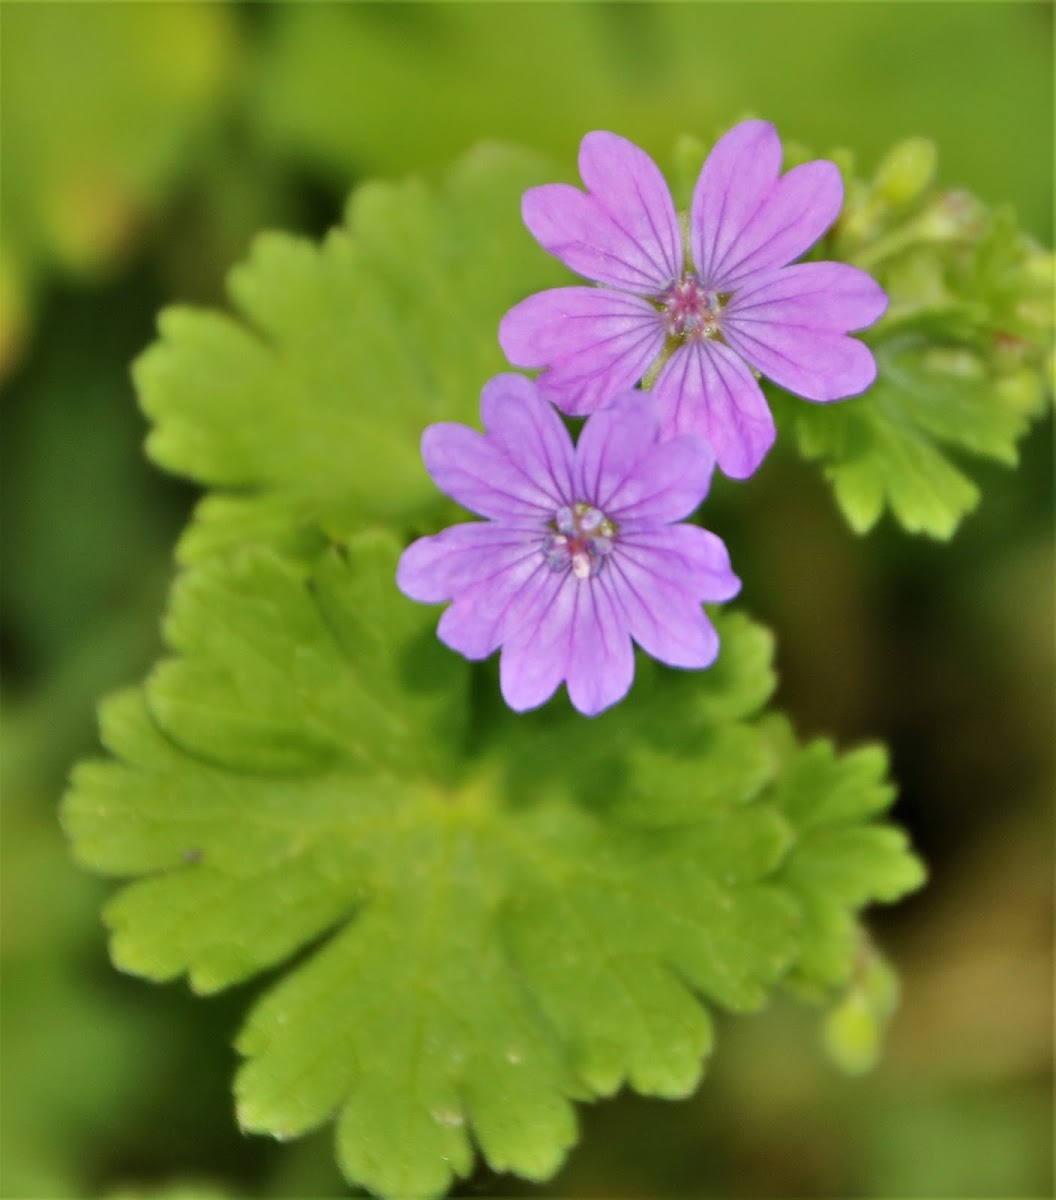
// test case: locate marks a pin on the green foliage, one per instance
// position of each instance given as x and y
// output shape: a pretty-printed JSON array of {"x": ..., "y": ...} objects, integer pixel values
[
  {"x": 141, "y": 145},
  {"x": 505, "y": 914},
  {"x": 840, "y": 861},
  {"x": 476, "y": 918},
  {"x": 643, "y": 69},
  {"x": 497, "y": 940},
  {"x": 1003, "y": 1139},
  {"x": 961, "y": 351},
  {"x": 180, "y": 1189},
  {"x": 307, "y": 413},
  {"x": 101, "y": 103},
  {"x": 73, "y": 1044}
]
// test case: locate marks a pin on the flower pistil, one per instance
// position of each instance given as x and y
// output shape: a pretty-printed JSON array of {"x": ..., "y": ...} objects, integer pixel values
[
  {"x": 691, "y": 310},
  {"x": 582, "y": 538}
]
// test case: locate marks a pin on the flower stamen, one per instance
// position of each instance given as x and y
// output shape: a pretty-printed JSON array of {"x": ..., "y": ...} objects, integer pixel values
[
  {"x": 582, "y": 538},
  {"x": 692, "y": 311}
]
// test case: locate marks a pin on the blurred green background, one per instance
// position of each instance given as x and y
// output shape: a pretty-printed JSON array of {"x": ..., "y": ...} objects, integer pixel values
[{"x": 143, "y": 146}]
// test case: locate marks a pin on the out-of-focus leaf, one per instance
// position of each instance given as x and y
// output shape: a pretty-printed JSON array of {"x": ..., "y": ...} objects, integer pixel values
[
  {"x": 72, "y": 1051},
  {"x": 177, "y": 1189},
  {"x": 88, "y": 524},
  {"x": 335, "y": 84},
  {"x": 101, "y": 104}
]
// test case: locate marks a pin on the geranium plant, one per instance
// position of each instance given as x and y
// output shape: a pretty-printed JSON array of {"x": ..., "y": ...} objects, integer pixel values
[{"x": 481, "y": 901}]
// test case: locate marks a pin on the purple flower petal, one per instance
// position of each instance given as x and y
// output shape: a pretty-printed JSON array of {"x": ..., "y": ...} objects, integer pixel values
[
  {"x": 487, "y": 613},
  {"x": 601, "y": 659},
  {"x": 735, "y": 180},
  {"x": 527, "y": 430},
  {"x": 535, "y": 656},
  {"x": 520, "y": 470},
  {"x": 821, "y": 367},
  {"x": 708, "y": 390},
  {"x": 471, "y": 469},
  {"x": 694, "y": 558},
  {"x": 611, "y": 443},
  {"x": 658, "y": 584},
  {"x": 798, "y": 210},
  {"x": 622, "y": 472},
  {"x": 637, "y": 194},
  {"x": 790, "y": 325},
  {"x": 435, "y": 569},
  {"x": 818, "y": 295},
  {"x": 595, "y": 342},
  {"x": 623, "y": 231}
]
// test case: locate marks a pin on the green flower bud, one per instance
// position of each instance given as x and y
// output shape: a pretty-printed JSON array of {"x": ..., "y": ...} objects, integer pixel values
[
  {"x": 906, "y": 170},
  {"x": 953, "y": 216},
  {"x": 853, "y": 1030},
  {"x": 1021, "y": 391}
]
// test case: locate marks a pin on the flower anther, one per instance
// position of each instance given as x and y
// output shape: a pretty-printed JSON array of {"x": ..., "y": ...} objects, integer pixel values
[
  {"x": 582, "y": 539},
  {"x": 691, "y": 310}
]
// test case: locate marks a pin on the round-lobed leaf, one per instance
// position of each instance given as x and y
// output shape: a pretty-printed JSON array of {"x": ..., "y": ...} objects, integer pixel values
[
  {"x": 485, "y": 944},
  {"x": 305, "y": 409}
]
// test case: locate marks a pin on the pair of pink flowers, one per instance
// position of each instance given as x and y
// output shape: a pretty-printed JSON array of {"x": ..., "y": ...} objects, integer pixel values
[{"x": 582, "y": 550}]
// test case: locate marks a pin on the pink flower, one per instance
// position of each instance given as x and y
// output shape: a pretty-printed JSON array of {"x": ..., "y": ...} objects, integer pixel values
[
  {"x": 709, "y": 310},
  {"x": 581, "y": 549}
]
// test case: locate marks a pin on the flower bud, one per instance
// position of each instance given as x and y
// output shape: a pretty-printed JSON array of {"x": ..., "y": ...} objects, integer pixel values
[{"x": 906, "y": 170}]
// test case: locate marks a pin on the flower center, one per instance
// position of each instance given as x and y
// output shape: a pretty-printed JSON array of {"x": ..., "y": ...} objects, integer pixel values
[
  {"x": 582, "y": 539},
  {"x": 691, "y": 310}
]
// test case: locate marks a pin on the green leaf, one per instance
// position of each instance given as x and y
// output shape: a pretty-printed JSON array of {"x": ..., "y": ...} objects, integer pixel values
[
  {"x": 961, "y": 352},
  {"x": 307, "y": 407},
  {"x": 839, "y": 861},
  {"x": 260, "y": 644},
  {"x": 887, "y": 449},
  {"x": 487, "y": 942}
]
